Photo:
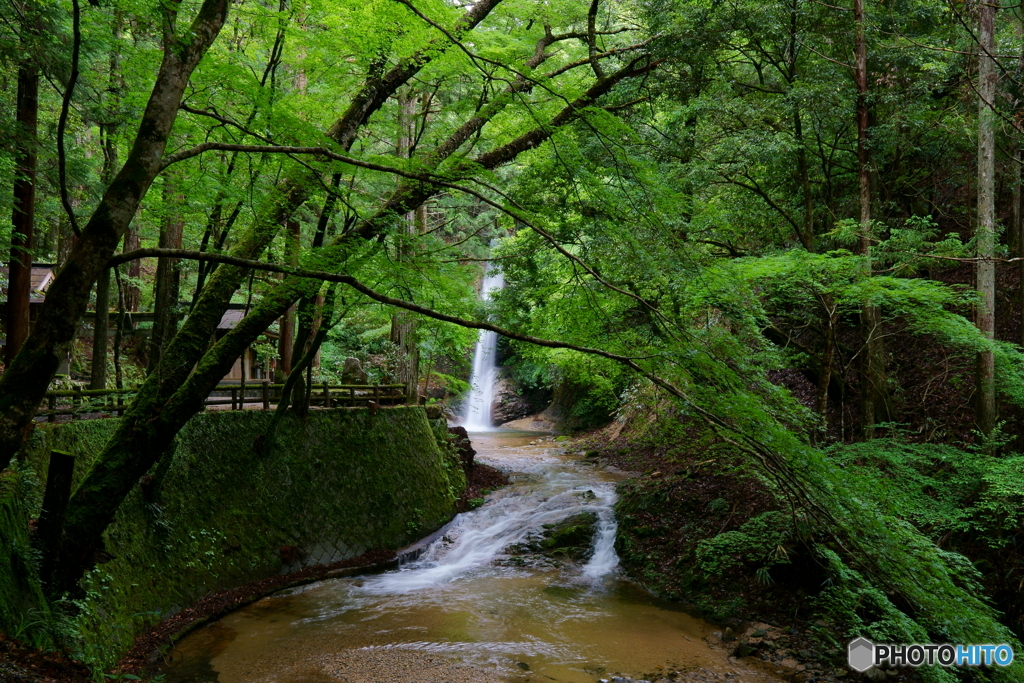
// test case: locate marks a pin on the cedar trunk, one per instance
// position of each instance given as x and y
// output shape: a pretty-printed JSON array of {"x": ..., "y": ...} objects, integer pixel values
[
  {"x": 19, "y": 285},
  {"x": 985, "y": 410}
]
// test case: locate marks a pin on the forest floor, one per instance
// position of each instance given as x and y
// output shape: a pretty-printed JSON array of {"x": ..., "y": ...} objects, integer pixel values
[{"x": 20, "y": 663}]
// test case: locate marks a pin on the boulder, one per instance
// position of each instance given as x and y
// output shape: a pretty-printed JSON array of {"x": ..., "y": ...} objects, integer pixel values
[
  {"x": 573, "y": 537},
  {"x": 463, "y": 446},
  {"x": 509, "y": 402},
  {"x": 352, "y": 372}
]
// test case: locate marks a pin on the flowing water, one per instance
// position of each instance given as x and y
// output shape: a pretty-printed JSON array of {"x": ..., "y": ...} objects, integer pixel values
[
  {"x": 485, "y": 367},
  {"x": 469, "y": 600}
]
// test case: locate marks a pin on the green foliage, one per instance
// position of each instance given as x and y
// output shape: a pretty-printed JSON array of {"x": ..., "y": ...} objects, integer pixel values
[
  {"x": 868, "y": 515},
  {"x": 24, "y": 613},
  {"x": 939, "y": 488},
  {"x": 760, "y": 540}
]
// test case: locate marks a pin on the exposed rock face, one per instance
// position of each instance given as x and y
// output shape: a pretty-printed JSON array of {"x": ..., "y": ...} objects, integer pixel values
[
  {"x": 509, "y": 402},
  {"x": 463, "y": 445},
  {"x": 352, "y": 372}
]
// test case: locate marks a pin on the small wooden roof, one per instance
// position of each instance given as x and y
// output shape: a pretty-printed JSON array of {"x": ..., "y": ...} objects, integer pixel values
[
  {"x": 233, "y": 316},
  {"x": 42, "y": 277}
]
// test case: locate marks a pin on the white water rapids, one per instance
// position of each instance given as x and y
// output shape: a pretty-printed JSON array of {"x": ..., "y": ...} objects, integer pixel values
[{"x": 474, "y": 540}]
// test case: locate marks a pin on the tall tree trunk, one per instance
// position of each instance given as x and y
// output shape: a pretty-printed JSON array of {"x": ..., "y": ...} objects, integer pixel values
[
  {"x": 1018, "y": 193},
  {"x": 985, "y": 410},
  {"x": 132, "y": 293},
  {"x": 168, "y": 277},
  {"x": 872, "y": 360},
  {"x": 803, "y": 169},
  {"x": 403, "y": 324},
  {"x": 108, "y": 137},
  {"x": 286, "y": 344},
  {"x": 19, "y": 282},
  {"x": 98, "y": 371},
  {"x": 806, "y": 235}
]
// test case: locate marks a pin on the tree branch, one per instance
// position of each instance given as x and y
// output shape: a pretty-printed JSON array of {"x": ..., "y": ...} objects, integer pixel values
[{"x": 62, "y": 122}]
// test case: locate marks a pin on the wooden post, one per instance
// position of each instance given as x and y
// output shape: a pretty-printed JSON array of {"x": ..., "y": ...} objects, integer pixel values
[
  {"x": 376, "y": 394},
  {"x": 50, "y": 529},
  {"x": 266, "y": 394},
  {"x": 234, "y": 398},
  {"x": 76, "y": 403},
  {"x": 352, "y": 395},
  {"x": 327, "y": 396},
  {"x": 120, "y": 405},
  {"x": 51, "y": 402}
]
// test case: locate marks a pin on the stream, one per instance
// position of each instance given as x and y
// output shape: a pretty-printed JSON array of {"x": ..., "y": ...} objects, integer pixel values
[{"x": 467, "y": 600}]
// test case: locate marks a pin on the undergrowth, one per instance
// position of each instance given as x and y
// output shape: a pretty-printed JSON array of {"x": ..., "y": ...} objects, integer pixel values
[{"x": 871, "y": 551}]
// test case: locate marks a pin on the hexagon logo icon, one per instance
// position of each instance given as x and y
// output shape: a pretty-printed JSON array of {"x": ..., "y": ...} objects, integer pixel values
[{"x": 861, "y": 654}]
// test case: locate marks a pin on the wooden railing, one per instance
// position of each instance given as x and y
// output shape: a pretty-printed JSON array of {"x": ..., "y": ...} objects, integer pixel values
[{"x": 96, "y": 403}]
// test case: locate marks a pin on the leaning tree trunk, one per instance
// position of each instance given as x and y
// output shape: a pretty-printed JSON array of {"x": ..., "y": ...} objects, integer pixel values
[{"x": 985, "y": 409}]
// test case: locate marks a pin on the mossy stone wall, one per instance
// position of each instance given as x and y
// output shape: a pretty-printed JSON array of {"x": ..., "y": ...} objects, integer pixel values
[{"x": 220, "y": 512}]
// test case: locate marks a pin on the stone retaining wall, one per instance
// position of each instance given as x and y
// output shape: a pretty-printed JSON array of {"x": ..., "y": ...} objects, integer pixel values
[{"x": 217, "y": 514}]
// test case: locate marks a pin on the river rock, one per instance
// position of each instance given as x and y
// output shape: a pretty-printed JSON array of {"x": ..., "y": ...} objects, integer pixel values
[
  {"x": 352, "y": 372},
  {"x": 463, "y": 445},
  {"x": 573, "y": 537}
]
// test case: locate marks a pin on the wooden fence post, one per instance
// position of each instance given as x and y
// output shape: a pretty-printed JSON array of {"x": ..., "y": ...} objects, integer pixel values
[
  {"x": 50, "y": 529},
  {"x": 327, "y": 396},
  {"x": 51, "y": 402},
  {"x": 265, "y": 387}
]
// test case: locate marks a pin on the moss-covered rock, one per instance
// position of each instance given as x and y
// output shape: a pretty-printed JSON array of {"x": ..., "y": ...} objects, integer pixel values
[{"x": 572, "y": 537}]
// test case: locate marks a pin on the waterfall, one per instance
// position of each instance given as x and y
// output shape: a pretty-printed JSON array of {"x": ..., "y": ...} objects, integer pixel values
[
  {"x": 478, "y": 407},
  {"x": 605, "y": 559}
]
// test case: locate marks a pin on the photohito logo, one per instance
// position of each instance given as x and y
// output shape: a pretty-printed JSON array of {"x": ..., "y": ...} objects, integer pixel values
[{"x": 862, "y": 654}]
